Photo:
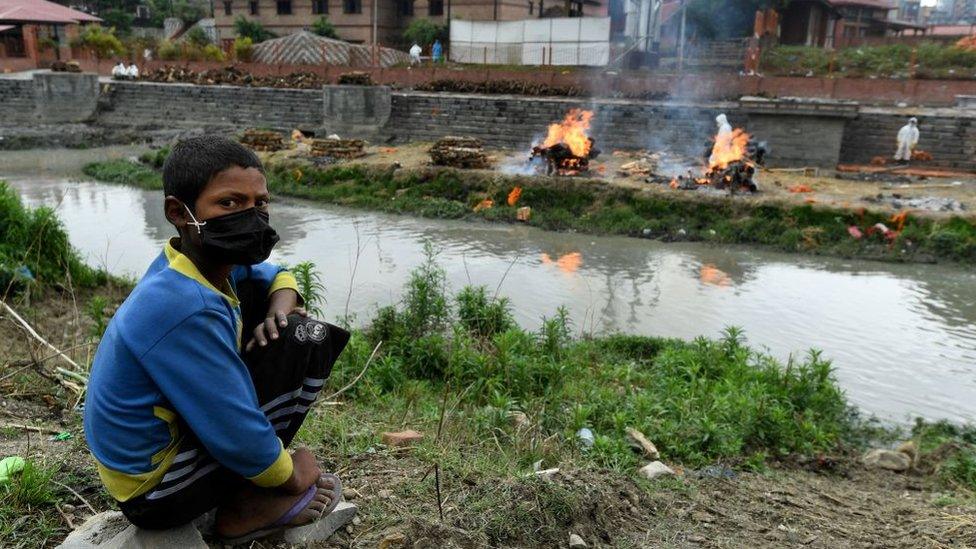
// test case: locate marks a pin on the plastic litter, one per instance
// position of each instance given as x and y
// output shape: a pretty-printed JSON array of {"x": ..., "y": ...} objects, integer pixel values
[{"x": 9, "y": 466}]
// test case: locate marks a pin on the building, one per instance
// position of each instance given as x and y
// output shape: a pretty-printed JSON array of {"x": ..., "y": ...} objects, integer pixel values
[
  {"x": 864, "y": 19},
  {"x": 353, "y": 19},
  {"x": 36, "y": 32},
  {"x": 808, "y": 23},
  {"x": 910, "y": 11}
]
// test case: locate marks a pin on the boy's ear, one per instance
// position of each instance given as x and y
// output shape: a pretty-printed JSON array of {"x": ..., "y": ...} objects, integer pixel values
[{"x": 175, "y": 212}]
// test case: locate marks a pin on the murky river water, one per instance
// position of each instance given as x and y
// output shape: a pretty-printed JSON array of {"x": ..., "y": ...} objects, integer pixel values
[{"x": 903, "y": 337}]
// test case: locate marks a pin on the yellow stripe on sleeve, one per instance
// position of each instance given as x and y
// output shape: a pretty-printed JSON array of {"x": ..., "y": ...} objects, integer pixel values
[{"x": 277, "y": 473}]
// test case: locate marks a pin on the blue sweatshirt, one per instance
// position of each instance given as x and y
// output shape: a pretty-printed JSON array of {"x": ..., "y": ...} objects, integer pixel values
[{"x": 173, "y": 351}]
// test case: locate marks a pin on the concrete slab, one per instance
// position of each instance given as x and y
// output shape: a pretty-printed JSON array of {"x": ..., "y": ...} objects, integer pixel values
[
  {"x": 111, "y": 530},
  {"x": 323, "y": 528}
]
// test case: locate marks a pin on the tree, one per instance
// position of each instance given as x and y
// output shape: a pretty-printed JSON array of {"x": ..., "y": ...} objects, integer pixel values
[
  {"x": 252, "y": 29},
  {"x": 100, "y": 40},
  {"x": 323, "y": 27},
  {"x": 424, "y": 31},
  {"x": 197, "y": 36},
  {"x": 181, "y": 9},
  {"x": 119, "y": 19},
  {"x": 725, "y": 19}
]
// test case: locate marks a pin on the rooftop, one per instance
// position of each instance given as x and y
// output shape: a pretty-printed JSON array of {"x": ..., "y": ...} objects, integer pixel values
[{"x": 41, "y": 11}]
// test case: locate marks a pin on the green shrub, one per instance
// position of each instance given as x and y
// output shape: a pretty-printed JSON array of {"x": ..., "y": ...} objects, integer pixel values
[
  {"x": 483, "y": 316},
  {"x": 101, "y": 41},
  {"x": 35, "y": 239},
  {"x": 243, "y": 49},
  {"x": 323, "y": 27},
  {"x": 156, "y": 158},
  {"x": 424, "y": 32},
  {"x": 246, "y": 28}
]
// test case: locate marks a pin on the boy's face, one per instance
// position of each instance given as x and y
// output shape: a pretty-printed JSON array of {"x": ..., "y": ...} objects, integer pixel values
[{"x": 232, "y": 190}]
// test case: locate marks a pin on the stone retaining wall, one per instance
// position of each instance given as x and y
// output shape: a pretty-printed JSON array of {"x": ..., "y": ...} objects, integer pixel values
[
  {"x": 797, "y": 138},
  {"x": 186, "y": 105}
]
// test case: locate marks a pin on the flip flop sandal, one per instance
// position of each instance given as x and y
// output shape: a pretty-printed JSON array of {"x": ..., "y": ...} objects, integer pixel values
[{"x": 280, "y": 524}]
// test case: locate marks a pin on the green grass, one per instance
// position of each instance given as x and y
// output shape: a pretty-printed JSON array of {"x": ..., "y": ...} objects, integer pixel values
[
  {"x": 953, "y": 448},
  {"x": 126, "y": 172},
  {"x": 27, "y": 514}
]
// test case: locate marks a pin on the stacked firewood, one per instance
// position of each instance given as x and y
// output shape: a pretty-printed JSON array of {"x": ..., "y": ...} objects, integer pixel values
[
  {"x": 339, "y": 148},
  {"x": 263, "y": 140},
  {"x": 355, "y": 78},
  {"x": 460, "y": 152}
]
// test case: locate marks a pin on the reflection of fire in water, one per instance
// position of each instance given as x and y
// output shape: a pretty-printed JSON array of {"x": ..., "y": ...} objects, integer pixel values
[
  {"x": 568, "y": 148},
  {"x": 567, "y": 263},
  {"x": 713, "y": 276}
]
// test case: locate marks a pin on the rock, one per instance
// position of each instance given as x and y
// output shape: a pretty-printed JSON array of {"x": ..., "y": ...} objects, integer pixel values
[
  {"x": 321, "y": 529},
  {"x": 356, "y": 521},
  {"x": 384, "y": 494},
  {"x": 547, "y": 474},
  {"x": 576, "y": 541},
  {"x": 402, "y": 438},
  {"x": 111, "y": 530},
  {"x": 523, "y": 214},
  {"x": 396, "y": 539},
  {"x": 348, "y": 494},
  {"x": 650, "y": 451},
  {"x": 887, "y": 459},
  {"x": 909, "y": 449},
  {"x": 656, "y": 469}
]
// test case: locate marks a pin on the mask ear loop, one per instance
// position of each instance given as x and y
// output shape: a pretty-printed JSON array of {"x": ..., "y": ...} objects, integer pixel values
[{"x": 195, "y": 223}]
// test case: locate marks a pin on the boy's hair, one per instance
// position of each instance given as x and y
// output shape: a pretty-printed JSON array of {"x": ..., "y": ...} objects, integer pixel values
[{"x": 195, "y": 161}]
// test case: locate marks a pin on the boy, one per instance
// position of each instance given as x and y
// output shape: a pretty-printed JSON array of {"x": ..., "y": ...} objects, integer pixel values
[{"x": 179, "y": 420}]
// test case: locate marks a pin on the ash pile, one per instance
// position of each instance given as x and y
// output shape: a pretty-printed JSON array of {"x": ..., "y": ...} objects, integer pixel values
[
  {"x": 460, "y": 152},
  {"x": 336, "y": 147},
  {"x": 263, "y": 140}
]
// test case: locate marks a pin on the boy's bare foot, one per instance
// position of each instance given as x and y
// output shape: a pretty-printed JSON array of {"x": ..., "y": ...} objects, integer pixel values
[{"x": 256, "y": 508}]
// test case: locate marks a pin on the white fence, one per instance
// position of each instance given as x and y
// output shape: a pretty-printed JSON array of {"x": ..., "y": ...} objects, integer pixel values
[{"x": 561, "y": 41}]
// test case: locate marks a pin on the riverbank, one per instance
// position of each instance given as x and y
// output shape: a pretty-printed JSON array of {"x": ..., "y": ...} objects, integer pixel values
[
  {"x": 780, "y": 220},
  {"x": 765, "y": 454}
]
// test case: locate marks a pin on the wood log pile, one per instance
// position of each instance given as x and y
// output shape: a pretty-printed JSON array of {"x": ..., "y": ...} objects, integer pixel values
[
  {"x": 233, "y": 76},
  {"x": 355, "y": 79},
  {"x": 263, "y": 140},
  {"x": 460, "y": 152},
  {"x": 339, "y": 148}
]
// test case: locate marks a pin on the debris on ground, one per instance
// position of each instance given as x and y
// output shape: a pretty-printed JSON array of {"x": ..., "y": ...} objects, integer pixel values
[
  {"x": 585, "y": 437},
  {"x": 891, "y": 460},
  {"x": 391, "y": 541},
  {"x": 485, "y": 204},
  {"x": 648, "y": 447},
  {"x": 355, "y": 78},
  {"x": 500, "y": 87},
  {"x": 339, "y": 148},
  {"x": 233, "y": 76},
  {"x": 656, "y": 469},
  {"x": 921, "y": 156},
  {"x": 801, "y": 189},
  {"x": 402, "y": 438},
  {"x": 927, "y": 203},
  {"x": 263, "y": 140},
  {"x": 460, "y": 152},
  {"x": 523, "y": 214},
  {"x": 576, "y": 542},
  {"x": 642, "y": 167}
]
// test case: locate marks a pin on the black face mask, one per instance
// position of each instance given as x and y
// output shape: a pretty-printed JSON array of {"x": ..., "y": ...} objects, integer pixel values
[{"x": 239, "y": 238}]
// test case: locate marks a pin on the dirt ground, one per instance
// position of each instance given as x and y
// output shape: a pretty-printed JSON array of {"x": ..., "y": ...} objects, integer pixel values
[
  {"x": 826, "y": 502},
  {"x": 874, "y": 188}
]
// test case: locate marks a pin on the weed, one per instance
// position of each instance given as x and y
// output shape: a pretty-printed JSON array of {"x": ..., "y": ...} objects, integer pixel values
[
  {"x": 310, "y": 286},
  {"x": 96, "y": 311}
]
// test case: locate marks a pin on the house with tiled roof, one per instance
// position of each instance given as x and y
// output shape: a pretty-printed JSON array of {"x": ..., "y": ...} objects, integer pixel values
[{"x": 33, "y": 32}]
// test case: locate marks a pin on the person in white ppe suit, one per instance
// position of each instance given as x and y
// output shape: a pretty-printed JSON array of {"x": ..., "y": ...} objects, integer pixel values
[
  {"x": 132, "y": 72},
  {"x": 119, "y": 71},
  {"x": 724, "y": 127},
  {"x": 415, "y": 52},
  {"x": 907, "y": 139}
]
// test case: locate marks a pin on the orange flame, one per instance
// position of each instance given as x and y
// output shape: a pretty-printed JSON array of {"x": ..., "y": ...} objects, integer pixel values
[
  {"x": 728, "y": 148},
  {"x": 567, "y": 263},
  {"x": 674, "y": 183},
  {"x": 899, "y": 220},
  {"x": 572, "y": 132},
  {"x": 513, "y": 197}
]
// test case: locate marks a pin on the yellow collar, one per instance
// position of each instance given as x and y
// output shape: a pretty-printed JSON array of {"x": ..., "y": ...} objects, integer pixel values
[{"x": 183, "y": 265}]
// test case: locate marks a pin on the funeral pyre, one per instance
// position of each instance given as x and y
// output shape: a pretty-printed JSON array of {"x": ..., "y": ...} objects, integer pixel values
[
  {"x": 568, "y": 148},
  {"x": 730, "y": 164}
]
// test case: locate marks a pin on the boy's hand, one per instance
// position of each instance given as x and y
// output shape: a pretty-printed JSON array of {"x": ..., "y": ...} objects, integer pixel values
[{"x": 283, "y": 303}]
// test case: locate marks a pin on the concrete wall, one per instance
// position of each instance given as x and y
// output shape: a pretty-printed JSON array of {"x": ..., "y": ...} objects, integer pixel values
[
  {"x": 63, "y": 97},
  {"x": 797, "y": 138}
]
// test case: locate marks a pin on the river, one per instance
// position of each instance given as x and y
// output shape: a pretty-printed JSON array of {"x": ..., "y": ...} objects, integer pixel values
[{"x": 902, "y": 337}]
